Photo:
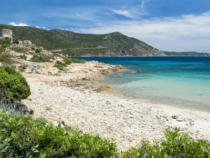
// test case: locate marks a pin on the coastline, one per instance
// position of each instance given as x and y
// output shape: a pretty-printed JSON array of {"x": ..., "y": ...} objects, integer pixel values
[{"x": 125, "y": 120}]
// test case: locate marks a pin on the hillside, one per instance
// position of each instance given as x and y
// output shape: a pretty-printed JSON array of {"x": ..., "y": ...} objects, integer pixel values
[
  {"x": 191, "y": 53},
  {"x": 75, "y": 44}
]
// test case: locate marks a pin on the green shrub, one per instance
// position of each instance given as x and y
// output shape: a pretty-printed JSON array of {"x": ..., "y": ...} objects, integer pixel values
[
  {"x": 22, "y": 136},
  {"x": 60, "y": 67},
  {"x": 6, "y": 61},
  {"x": 16, "y": 41},
  {"x": 176, "y": 145},
  {"x": 1, "y": 50},
  {"x": 23, "y": 67},
  {"x": 6, "y": 45},
  {"x": 40, "y": 58},
  {"x": 60, "y": 63},
  {"x": 6, "y": 42},
  {"x": 15, "y": 85},
  {"x": 38, "y": 50},
  {"x": 19, "y": 50},
  {"x": 7, "y": 38},
  {"x": 23, "y": 57},
  {"x": 73, "y": 60}
]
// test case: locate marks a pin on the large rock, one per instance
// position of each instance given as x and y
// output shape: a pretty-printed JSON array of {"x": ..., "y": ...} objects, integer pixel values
[
  {"x": 41, "y": 69},
  {"x": 27, "y": 43}
]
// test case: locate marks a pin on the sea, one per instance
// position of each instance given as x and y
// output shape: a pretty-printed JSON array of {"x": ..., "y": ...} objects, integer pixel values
[{"x": 177, "y": 81}]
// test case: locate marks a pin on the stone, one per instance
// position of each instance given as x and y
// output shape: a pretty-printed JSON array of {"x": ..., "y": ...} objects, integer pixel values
[
  {"x": 179, "y": 119},
  {"x": 174, "y": 116},
  {"x": 27, "y": 43},
  {"x": 20, "y": 42},
  {"x": 191, "y": 123}
]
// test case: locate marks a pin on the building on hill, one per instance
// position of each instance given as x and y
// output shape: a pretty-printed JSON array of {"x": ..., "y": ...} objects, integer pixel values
[{"x": 6, "y": 33}]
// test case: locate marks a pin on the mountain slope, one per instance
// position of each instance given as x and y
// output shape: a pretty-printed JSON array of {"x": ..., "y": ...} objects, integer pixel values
[{"x": 75, "y": 44}]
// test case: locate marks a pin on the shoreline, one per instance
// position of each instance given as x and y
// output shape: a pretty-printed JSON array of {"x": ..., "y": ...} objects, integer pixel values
[
  {"x": 120, "y": 96},
  {"x": 125, "y": 120}
]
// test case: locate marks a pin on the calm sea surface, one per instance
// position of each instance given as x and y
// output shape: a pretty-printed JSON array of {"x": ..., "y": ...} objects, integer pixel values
[{"x": 181, "y": 81}]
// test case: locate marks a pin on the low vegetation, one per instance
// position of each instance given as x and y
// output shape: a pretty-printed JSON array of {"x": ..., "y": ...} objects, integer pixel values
[
  {"x": 20, "y": 50},
  {"x": 1, "y": 50},
  {"x": 16, "y": 41},
  {"x": 41, "y": 58},
  {"x": 22, "y": 136},
  {"x": 5, "y": 42},
  {"x": 6, "y": 61},
  {"x": 72, "y": 60},
  {"x": 13, "y": 85},
  {"x": 38, "y": 50},
  {"x": 23, "y": 67},
  {"x": 67, "y": 61},
  {"x": 60, "y": 65},
  {"x": 175, "y": 145}
]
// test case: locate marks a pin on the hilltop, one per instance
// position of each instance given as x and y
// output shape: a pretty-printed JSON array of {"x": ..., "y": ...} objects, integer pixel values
[{"x": 76, "y": 44}]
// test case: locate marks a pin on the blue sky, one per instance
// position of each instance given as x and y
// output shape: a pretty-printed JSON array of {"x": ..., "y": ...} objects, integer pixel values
[{"x": 174, "y": 25}]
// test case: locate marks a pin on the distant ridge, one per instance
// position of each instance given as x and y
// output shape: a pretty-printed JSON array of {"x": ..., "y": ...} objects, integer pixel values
[
  {"x": 87, "y": 45},
  {"x": 190, "y": 53}
]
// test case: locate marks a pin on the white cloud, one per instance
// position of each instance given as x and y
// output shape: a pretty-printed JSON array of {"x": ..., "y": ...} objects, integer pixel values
[
  {"x": 37, "y": 27},
  {"x": 20, "y": 24},
  {"x": 184, "y": 33},
  {"x": 83, "y": 17},
  {"x": 44, "y": 27},
  {"x": 125, "y": 13}
]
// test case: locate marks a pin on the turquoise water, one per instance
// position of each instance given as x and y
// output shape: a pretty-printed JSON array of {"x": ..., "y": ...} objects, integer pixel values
[{"x": 181, "y": 81}]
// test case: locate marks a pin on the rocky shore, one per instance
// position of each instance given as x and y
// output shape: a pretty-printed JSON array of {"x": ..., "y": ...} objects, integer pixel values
[{"x": 125, "y": 121}]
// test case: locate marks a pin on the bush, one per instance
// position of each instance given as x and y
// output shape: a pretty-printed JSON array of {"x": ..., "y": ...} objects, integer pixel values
[
  {"x": 73, "y": 60},
  {"x": 7, "y": 38},
  {"x": 6, "y": 61},
  {"x": 38, "y": 50},
  {"x": 7, "y": 42},
  {"x": 40, "y": 58},
  {"x": 23, "y": 57},
  {"x": 1, "y": 50},
  {"x": 15, "y": 85},
  {"x": 19, "y": 50},
  {"x": 23, "y": 67},
  {"x": 60, "y": 65},
  {"x": 176, "y": 145},
  {"x": 22, "y": 136},
  {"x": 16, "y": 42}
]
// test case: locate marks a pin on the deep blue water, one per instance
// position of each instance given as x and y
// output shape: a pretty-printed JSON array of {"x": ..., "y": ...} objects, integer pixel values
[{"x": 182, "y": 81}]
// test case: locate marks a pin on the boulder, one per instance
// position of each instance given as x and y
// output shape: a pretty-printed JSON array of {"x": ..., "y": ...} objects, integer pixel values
[
  {"x": 27, "y": 43},
  {"x": 20, "y": 42}
]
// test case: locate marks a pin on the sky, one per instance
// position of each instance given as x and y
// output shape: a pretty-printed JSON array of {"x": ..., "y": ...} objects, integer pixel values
[{"x": 171, "y": 25}]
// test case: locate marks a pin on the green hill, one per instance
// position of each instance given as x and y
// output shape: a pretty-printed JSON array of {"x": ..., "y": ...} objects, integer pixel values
[{"x": 75, "y": 44}]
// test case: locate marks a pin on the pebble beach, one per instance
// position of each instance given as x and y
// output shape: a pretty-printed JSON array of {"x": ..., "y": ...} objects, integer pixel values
[{"x": 126, "y": 121}]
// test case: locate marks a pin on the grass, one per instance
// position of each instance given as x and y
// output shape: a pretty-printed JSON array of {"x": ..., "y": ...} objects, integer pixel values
[{"x": 20, "y": 50}]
